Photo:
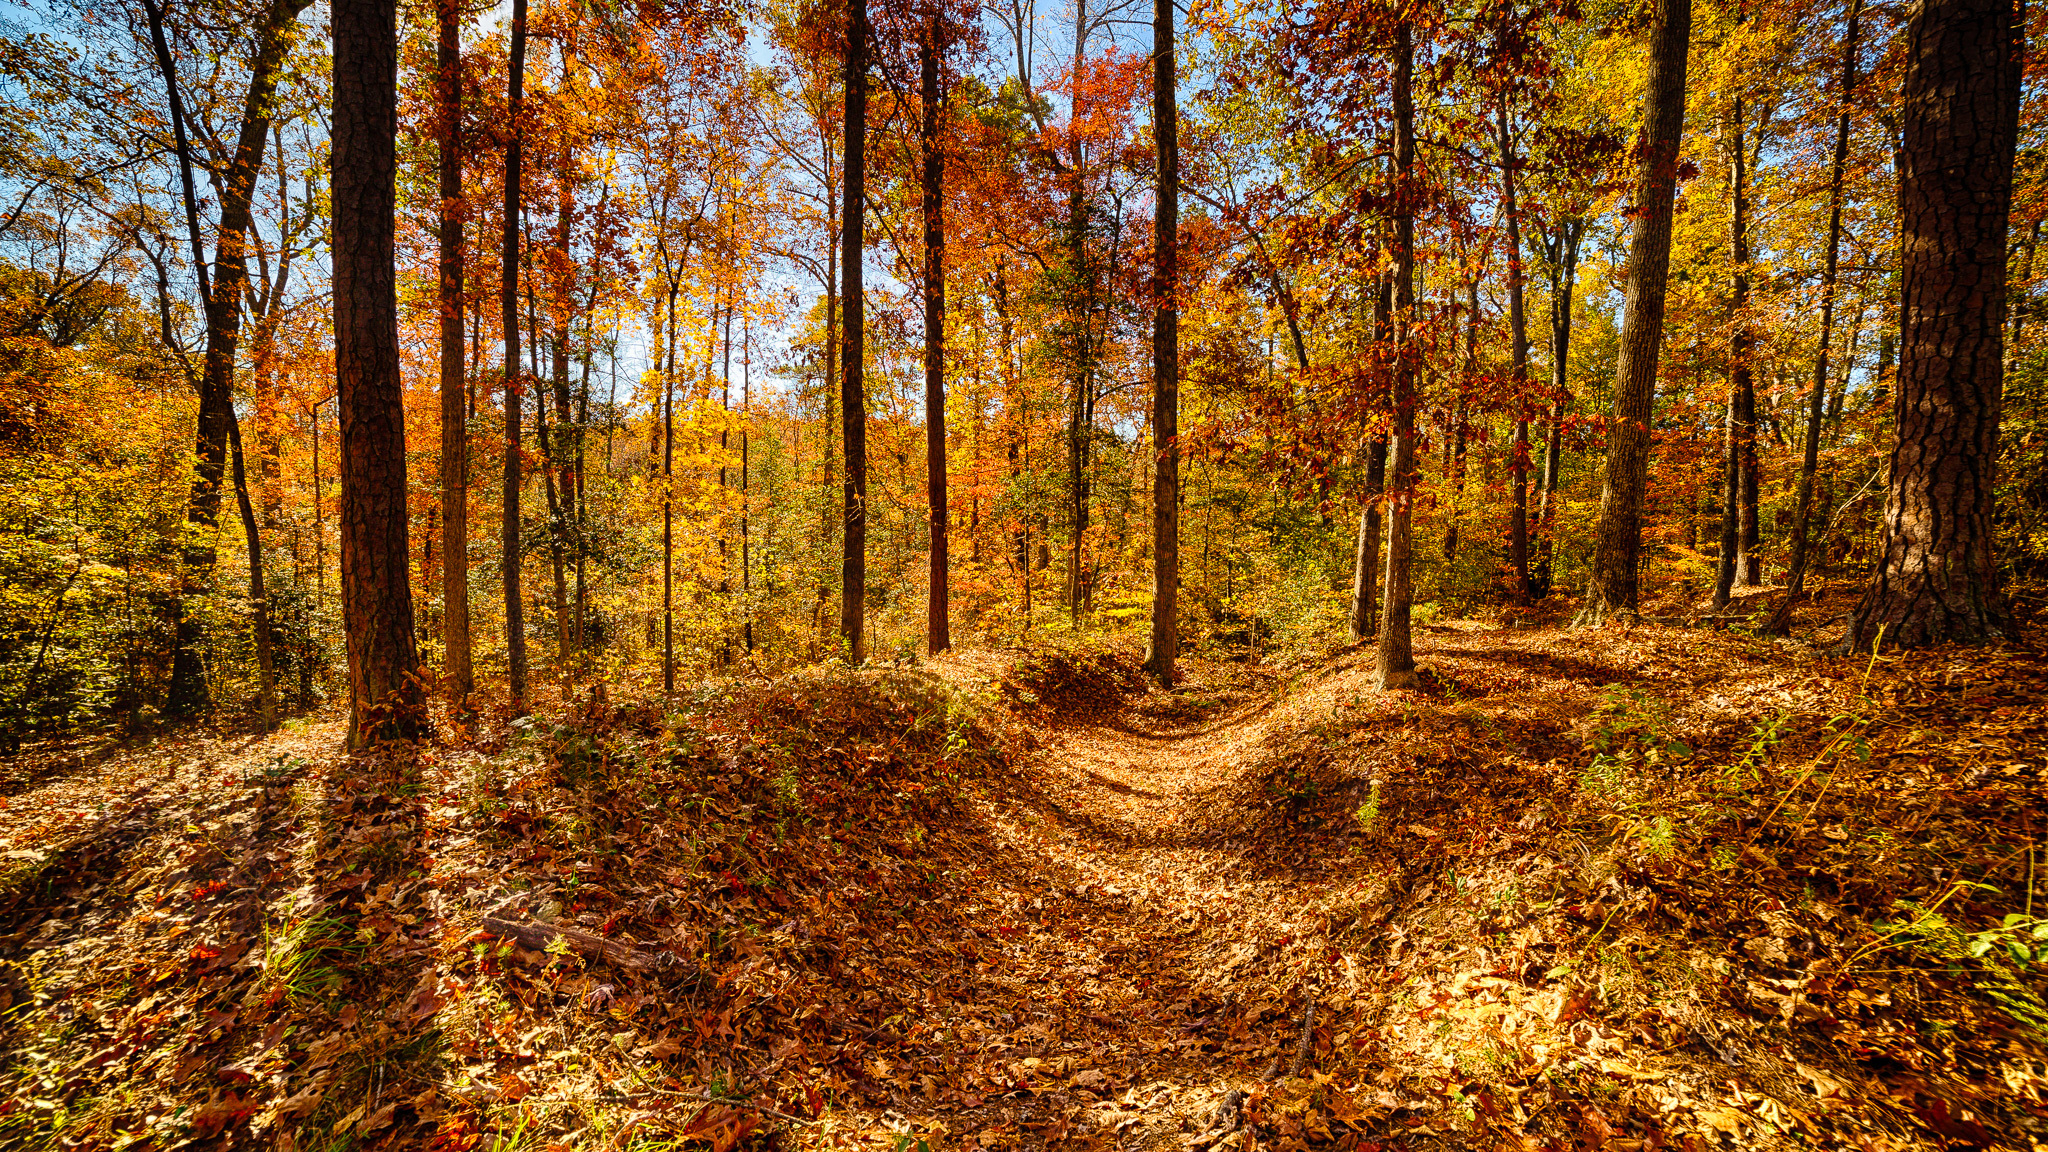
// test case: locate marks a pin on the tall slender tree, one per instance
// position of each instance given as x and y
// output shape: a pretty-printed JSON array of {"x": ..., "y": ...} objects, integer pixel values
[
  {"x": 1396, "y": 663},
  {"x": 1738, "y": 497},
  {"x": 1937, "y": 578},
  {"x": 938, "y": 630},
  {"x": 221, "y": 292},
  {"x": 1617, "y": 557},
  {"x": 376, "y": 593},
  {"x": 459, "y": 680},
  {"x": 1518, "y": 347},
  {"x": 1165, "y": 640},
  {"x": 1365, "y": 569},
  {"x": 1816, "y": 402},
  {"x": 853, "y": 403},
  {"x": 1561, "y": 264},
  {"x": 508, "y": 301}
]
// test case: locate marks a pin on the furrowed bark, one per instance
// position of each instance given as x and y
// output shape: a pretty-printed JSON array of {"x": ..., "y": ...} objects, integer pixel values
[
  {"x": 457, "y": 672},
  {"x": 853, "y": 342},
  {"x": 1165, "y": 639},
  {"x": 1614, "y": 590},
  {"x": 938, "y": 627},
  {"x": 376, "y": 592},
  {"x": 1938, "y": 578},
  {"x": 508, "y": 302}
]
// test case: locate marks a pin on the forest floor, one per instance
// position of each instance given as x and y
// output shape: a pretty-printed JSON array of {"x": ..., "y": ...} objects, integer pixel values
[{"x": 1625, "y": 889}]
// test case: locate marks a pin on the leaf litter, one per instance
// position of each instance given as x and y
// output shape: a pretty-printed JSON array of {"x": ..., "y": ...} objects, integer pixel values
[{"x": 1647, "y": 889}]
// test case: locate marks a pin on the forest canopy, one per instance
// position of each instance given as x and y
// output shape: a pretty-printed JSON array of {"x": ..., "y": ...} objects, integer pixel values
[{"x": 442, "y": 352}]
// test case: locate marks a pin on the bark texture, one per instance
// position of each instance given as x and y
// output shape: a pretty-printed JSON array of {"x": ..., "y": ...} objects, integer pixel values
[
  {"x": 459, "y": 680},
  {"x": 508, "y": 300},
  {"x": 1937, "y": 578},
  {"x": 1614, "y": 590},
  {"x": 938, "y": 626},
  {"x": 1518, "y": 329},
  {"x": 376, "y": 591},
  {"x": 1396, "y": 663},
  {"x": 1165, "y": 639},
  {"x": 853, "y": 404}
]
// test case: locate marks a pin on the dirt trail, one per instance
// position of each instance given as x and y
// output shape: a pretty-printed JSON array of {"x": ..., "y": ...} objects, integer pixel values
[{"x": 1137, "y": 867}]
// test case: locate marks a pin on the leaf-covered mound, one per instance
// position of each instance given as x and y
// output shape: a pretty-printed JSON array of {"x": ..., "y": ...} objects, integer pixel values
[
  {"x": 1667, "y": 889},
  {"x": 1648, "y": 889}
]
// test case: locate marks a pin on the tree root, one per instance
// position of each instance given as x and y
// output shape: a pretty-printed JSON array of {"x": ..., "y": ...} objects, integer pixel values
[{"x": 1230, "y": 1114}]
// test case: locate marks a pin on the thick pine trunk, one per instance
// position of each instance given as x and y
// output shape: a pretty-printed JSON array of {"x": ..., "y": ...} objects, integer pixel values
[
  {"x": 458, "y": 676},
  {"x": 1938, "y": 579},
  {"x": 1165, "y": 640},
  {"x": 1614, "y": 590},
  {"x": 508, "y": 301},
  {"x": 1816, "y": 404},
  {"x": 853, "y": 341},
  {"x": 938, "y": 626},
  {"x": 1396, "y": 663},
  {"x": 376, "y": 594}
]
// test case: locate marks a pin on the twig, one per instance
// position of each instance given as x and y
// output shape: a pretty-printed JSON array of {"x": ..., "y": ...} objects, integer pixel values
[
  {"x": 538, "y": 937},
  {"x": 705, "y": 1097}
]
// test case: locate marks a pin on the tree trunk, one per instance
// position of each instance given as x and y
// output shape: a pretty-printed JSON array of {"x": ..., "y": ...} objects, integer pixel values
[
  {"x": 668, "y": 504},
  {"x": 1461, "y": 432},
  {"x": 376, "y": 595},
  {"x": 259, "y": 605},
  {"x": 221, "y": 294},
  {"x": 1564, "y": 265},
  {"x": 1396, "y": 666},
  {"x": 267, "y": 310},
  {"x": 1938, "y": 576},
  {"x": 561, "y": 473},
  {"x": 1366, "y": 561},
  {"x": 1165, "y": 641},
  {"x": 458, "y": 677},
  {"x": 938, "y": 631},
  {"x": 1738, "y": 498},
  {"x": 1741, "y": 345},
  {"x": 1809, "y": 464},
  {"x": 829, "y": 530},
  {"x": 550, "y": 449},
  {"x": 1730, "y": 539},
  {"x": 1518, "y": 330},
  {"x": 1614, "y": 589},
  {"x": 853, "y": 343},
  {"x": 508, "y": 299}
]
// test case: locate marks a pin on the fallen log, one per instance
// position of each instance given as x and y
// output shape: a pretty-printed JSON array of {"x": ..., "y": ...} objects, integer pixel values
[{"x": 538, "y": 937}]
